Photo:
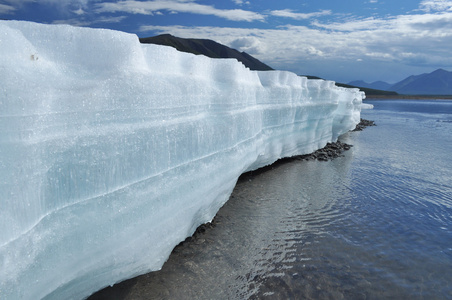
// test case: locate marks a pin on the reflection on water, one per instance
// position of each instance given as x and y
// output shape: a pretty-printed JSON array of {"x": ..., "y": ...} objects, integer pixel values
[{"x": 375, "y": 224}]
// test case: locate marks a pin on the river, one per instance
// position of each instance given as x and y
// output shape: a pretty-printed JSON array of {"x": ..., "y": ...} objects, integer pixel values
[{"x": 373, "y": 224}]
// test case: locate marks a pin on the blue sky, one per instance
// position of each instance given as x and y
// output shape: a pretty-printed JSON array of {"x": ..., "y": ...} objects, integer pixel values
[{"x": 338, "y": 40}]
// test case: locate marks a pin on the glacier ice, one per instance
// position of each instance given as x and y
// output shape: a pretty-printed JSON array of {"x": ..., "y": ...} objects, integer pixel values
[
  {"x": 366, "y": 106},
  {"x": 112, "y": 152}
]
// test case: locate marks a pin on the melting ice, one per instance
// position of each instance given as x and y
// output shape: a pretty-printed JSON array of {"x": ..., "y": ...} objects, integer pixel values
[{"x": 112, "y": 152}]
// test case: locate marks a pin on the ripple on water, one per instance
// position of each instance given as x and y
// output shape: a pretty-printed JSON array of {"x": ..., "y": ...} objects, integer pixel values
[{"x": 375, "y": 224}]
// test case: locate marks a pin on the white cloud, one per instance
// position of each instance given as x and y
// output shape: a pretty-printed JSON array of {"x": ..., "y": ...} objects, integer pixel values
[
  {"x": 178, "y": 6},
  {"x": 355, "y": 25},
  {"x": 79, "y": 12},
  {"x": 288, "y": 13},
  {"x": 250, "y": 45},
  {"x": 55, "y": 2},
  {"x": 436, "y": 5},
  {"x": 241, "y": 2},
  {"x": 74, "y": 6},
  {"x": 312, "y": 51},
  {"x": 109, "y": 19},
  {"x": 86, "y": 23},
  {"x": 6, "y": 9}
]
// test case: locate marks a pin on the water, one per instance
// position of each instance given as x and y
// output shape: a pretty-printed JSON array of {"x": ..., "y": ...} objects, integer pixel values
[{"x": 374, "y": 224}]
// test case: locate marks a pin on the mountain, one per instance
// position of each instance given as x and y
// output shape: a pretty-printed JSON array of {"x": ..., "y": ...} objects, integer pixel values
[
  {"x": 438, "y": 82},
  {"x": 208, "y": 48},
  {"x": 377, "y": 85}
]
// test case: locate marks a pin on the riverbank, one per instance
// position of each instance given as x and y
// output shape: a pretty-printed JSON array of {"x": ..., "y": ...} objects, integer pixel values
[
  {"x": 190, "y": 246},
  {"x": 408, "y": 97}
]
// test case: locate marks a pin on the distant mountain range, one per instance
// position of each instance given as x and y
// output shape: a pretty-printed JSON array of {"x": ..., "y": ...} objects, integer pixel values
[
  {"x": 438, "y": 82},
  {"x": 208, "y": 48},
  {"x": 378, "y": 85}
]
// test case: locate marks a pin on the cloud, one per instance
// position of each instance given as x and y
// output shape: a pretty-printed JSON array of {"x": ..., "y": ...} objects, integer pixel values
[
  {"x": 415, "y": 41},
  {"x": 6, "y": 9},
  {"x": 288, "y": 13},
  {"x": 177, "y": 6},
  {"x": 250, "y": 45},
  {"x": 284, "y": 44},
  {"x": 312, "y": 51},
  {"x": 65, "y": 6},
  {"x": 241, "y": 2},
  {"x": 354, "y": 25},
  {"x": 83, "y": 22},
  {"x": 436, "y": 5},
  {"x": 79, "y": 11},
  {"x": 19, "y": 3}
]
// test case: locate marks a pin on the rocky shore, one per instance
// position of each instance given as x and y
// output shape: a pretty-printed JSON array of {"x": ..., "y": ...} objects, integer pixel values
[
  {"x": 363, "y": 124},
  {"x": 330, "y": 151},
  {"x": 335, "y": 149}
]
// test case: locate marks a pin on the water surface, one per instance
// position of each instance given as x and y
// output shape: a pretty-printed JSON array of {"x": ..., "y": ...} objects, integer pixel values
[{"x": 376, "y": 223}]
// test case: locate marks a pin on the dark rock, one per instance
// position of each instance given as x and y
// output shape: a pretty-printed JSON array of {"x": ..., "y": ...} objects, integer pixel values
[
  {"x": 330, "y": 151},
  {"x": 363, "y": 124}
]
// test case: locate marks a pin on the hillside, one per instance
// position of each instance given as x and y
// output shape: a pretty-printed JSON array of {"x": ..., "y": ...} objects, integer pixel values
[
  {"x": 208, "y": 48},
  {"x": 438, "y": 82},
  {"x": 377, "y": 85}
]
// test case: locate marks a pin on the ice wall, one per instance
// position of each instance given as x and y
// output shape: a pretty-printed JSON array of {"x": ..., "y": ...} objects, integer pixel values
[{"x": 112, "y": 152}]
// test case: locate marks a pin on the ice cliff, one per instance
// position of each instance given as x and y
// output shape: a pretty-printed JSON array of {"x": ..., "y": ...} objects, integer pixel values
[{"x": 112, "y": 152}]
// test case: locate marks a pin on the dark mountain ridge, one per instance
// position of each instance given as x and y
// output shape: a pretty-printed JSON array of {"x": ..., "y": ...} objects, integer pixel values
[
  {"x": 438, "y": 82},
  {"x": 208, "y": 48}
]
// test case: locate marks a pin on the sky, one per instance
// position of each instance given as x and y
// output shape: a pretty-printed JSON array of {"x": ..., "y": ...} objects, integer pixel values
[{"x": 348, "y": 40}]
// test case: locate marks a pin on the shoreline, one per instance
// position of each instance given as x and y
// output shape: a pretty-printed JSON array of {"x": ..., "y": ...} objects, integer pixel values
[
  {"x": 408, "y": 97},
  {"x": 330, "y": 151}
]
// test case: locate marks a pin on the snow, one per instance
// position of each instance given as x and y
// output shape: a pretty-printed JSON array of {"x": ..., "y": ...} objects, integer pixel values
[{"x": 112, "y": 152}]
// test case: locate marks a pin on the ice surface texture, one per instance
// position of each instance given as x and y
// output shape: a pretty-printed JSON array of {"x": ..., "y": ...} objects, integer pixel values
[{"x": 112, "y": 152}]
